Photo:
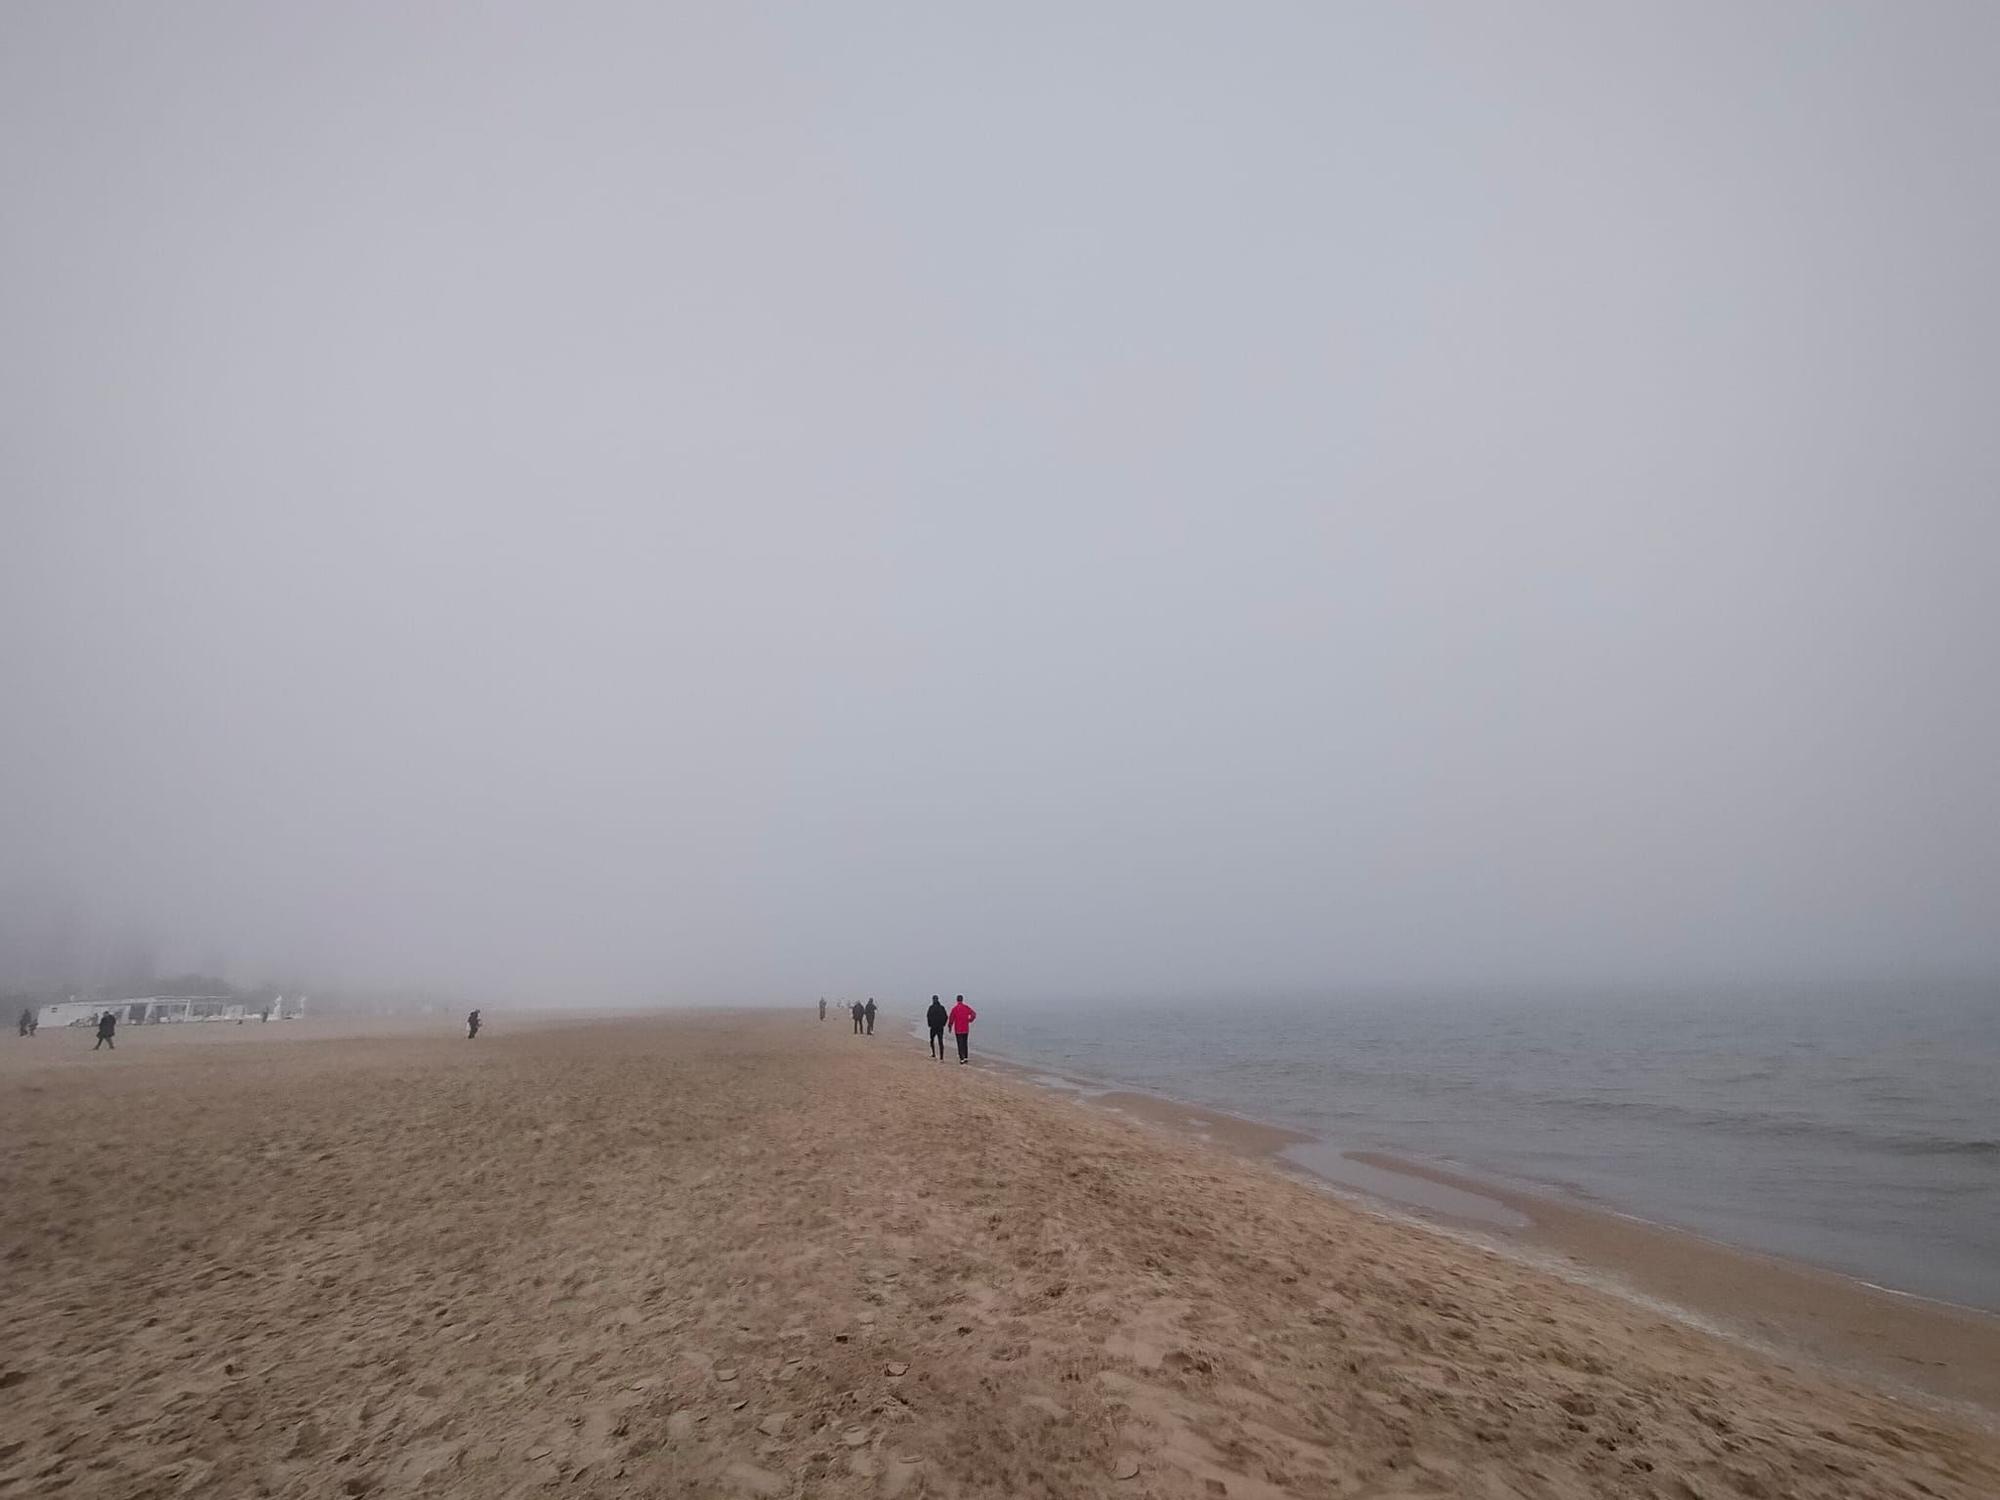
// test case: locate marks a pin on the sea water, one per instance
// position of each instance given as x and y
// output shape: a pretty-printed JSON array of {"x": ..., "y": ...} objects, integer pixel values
[{"x": 1857, "y": 1130}]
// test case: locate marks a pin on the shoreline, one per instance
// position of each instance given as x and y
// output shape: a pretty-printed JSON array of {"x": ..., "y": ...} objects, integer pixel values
[
  {"x": 1903, "y": 1343},
  {"x": 727, "y": 1254}
]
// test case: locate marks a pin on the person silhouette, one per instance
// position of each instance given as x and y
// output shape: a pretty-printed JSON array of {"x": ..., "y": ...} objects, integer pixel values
[
  {"x": 855, "y": 1011},
  {"x": 935, "y": 1018},
  {"x": 472, "y": 1026},
  {"x": 962, "y": 1017},
  {"x": 868, "y": 1014}
]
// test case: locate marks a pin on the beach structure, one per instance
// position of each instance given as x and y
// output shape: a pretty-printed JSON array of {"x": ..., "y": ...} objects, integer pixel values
[
  {"x": 162, "y": 1010},
  {"x": 72, "y": 1013}
]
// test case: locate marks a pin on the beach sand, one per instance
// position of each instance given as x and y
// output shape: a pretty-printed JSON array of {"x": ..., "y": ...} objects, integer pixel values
[
  {"x": 721, "y": 1254},
  {"x": 1910, "y": 1346}
]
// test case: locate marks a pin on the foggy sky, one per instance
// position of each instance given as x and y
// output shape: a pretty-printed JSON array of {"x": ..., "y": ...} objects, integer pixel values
[{"x": 711, "y": 503}]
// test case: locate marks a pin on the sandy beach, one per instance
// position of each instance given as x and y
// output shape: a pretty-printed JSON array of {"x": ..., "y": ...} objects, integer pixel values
[
  {"x": 1910, "y": 1346},
  {"x": 726, "y": 1254}
]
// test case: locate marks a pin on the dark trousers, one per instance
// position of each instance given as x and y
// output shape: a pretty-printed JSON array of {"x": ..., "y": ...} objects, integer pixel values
[
  {"x": 857, "y": 1026},
  {"x": 937, "y": 1043},
  {"x": 105, "y": 1041},
  {"x": 962, "y": 1040},
  {"x": 871, "y": 1025}
]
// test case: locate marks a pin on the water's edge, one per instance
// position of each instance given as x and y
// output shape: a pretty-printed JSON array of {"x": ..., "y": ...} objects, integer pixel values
[{"x": 1781, "y": 1306}]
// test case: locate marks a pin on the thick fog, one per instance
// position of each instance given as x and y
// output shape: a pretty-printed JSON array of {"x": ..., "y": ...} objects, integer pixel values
[{"x": 590, "y": 503}]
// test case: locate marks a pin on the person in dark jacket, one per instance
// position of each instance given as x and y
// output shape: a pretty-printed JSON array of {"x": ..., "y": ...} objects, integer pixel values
[
  {"x": 868, "y": 1013},
  {"x": 472, "y": 1026},
  {"x": 935, "y": 1018},
  {"x": 107, "y": 1031},
  {"x": 855, "y": 1011},
  {"x": 28, "y": 1021},
  {"x": 822, "y": 1007}
]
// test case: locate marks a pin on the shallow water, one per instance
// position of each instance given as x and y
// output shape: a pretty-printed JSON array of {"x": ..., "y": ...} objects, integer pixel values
[{"x": 1858, "y": 1131}]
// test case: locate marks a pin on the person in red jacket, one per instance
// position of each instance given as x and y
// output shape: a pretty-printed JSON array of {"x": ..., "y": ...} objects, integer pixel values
[{"x": 962, "y": 1017}]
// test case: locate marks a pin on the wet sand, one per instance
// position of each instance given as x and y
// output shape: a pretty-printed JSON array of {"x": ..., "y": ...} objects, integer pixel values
[
  {"x": 1913, "y": 1347},
  {"x": 758, "y": 1255}
]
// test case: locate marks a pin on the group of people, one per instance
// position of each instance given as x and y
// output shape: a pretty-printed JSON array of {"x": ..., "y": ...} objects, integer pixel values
[
  {"x": 959, "y": 1018},
  {"x": 107, "y": 1028},
  {"x": 864, "y": 1015}
]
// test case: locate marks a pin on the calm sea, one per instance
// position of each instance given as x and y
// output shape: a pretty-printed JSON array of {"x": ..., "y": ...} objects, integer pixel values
[{"x": 1860, "y": 1132}]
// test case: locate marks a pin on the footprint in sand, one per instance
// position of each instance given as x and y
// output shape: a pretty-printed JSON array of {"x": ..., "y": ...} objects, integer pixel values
[{"x": 757, "y": 1481}]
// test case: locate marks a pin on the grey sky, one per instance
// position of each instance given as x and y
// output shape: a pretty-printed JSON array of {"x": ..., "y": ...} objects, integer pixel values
[{"x": 614, "y": 501}]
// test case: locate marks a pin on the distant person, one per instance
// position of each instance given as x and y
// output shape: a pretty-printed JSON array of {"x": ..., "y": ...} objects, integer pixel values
[
  {"x": 265, "y": 1015},
  {"x": 962, "y": 1017},
  {"x": 935, "y": 1018},
  {"x": 107, "y": 1031},
  {"x": 868, "y": 1011},
  {"x": 822, "y": 1007},
  {"x": 28, "y": 1021},
  {"x": 472, "y": 1026},
  {"x": 855, "y": 1010}
]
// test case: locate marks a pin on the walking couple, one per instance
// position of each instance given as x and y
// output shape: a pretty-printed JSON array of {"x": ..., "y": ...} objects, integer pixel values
[{"x": 960, "y": 1018}]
